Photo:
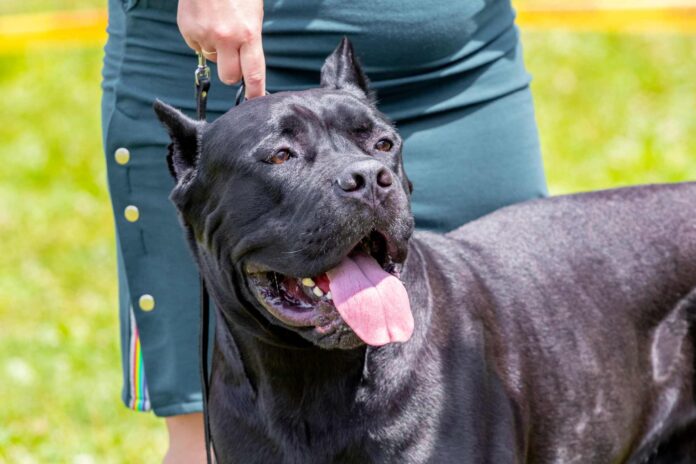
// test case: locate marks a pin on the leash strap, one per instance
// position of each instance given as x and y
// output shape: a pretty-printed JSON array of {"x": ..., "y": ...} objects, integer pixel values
[
  {"x": 205, "y": 321},
  {"x": 202, "y": 80}
]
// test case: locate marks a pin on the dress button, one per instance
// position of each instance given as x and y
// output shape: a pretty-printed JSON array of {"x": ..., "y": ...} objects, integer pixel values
[
  {"x": 146, "y": 302},
  {"x": 122, "y": 155},
  {"x": 131, "y": 213}
]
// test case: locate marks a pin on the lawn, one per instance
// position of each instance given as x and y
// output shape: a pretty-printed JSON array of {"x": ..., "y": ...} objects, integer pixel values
[
  {"x": 612, "y": 110},
  {"x": 58, "y": 345}
]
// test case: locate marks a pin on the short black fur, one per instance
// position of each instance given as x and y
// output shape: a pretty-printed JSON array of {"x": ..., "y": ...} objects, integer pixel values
[{"x": 559, "y": 330}]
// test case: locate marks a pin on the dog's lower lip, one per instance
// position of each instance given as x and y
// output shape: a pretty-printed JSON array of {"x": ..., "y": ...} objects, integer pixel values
[{"x": 288, "y": 301}]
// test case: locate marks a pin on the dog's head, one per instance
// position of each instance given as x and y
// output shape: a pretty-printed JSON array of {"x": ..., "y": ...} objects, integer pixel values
[{"x": 300, "y": 200}]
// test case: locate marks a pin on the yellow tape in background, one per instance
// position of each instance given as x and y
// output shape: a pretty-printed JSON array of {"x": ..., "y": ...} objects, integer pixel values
[
  {"x": 65, "y": 28},
  {"x": 88, "y": 27},
  {"x": 680, "y": 19}
]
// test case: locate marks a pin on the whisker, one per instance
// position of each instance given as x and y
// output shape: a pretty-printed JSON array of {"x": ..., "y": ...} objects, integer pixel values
[{"x": 296, "y": 251}]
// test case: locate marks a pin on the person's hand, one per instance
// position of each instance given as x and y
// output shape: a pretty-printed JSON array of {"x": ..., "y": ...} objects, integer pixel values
[{"x": 227, "y": 32}]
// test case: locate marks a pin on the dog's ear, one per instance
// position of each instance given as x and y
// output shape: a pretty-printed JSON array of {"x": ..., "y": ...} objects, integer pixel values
[
  {"x": 342, "y": 70},
  {"x": 185, "y": 134}
]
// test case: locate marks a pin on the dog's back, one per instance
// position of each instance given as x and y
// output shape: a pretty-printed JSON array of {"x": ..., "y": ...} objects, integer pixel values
[{"x": 588, "y": 300}]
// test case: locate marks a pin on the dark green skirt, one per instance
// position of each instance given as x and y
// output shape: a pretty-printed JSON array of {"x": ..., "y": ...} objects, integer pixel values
[{"x": 450, "y": 74}]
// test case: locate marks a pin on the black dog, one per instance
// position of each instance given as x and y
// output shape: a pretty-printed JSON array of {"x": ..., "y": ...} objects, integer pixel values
[{"x": 555, "y": 331}]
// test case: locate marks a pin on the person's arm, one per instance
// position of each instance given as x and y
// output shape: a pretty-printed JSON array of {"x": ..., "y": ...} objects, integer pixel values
[{"x": 227, "y": 32}]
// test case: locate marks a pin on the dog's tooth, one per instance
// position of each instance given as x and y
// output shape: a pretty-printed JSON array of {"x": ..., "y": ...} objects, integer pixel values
[
  {"x": 329, "y": 296},
  {"x": 307, "y": 282},
  {"x": 317, "y": 291}
]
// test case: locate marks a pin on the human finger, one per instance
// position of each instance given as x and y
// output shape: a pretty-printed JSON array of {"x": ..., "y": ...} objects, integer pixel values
[
  {"x": 253, "y": 65},
  {"x": 209, "y": 54},
  {"x": 228, "y": 66}
]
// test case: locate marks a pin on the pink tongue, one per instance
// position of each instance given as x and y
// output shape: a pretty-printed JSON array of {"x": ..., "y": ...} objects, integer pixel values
[{"x": 371, "y": 301}]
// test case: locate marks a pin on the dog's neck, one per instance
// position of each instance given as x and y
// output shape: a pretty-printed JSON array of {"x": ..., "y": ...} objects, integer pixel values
[{"x": 297, "y": 372}]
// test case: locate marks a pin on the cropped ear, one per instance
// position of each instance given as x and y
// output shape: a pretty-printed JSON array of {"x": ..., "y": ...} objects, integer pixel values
[
  {"x": 342, "y": 71},
  {"x": 185, "y": 132}
]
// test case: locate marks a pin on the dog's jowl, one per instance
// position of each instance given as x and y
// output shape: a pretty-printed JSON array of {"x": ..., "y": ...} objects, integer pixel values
[{"x": 555, "y": 331}]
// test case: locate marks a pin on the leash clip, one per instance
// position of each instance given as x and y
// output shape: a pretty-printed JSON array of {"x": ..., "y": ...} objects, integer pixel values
[
  {"x": 202, "y": 72},
  {"x": 202, "y": 79}
]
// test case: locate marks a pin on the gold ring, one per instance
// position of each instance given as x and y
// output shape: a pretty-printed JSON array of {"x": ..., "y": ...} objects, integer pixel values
[{"x": 206, "y": 52}]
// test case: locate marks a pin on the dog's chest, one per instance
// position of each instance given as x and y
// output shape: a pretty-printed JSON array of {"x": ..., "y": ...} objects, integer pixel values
[{"x": 340, "y": 426}]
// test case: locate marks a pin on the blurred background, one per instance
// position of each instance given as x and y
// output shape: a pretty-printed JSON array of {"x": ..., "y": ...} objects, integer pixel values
[{"x": 615, "y": 91}]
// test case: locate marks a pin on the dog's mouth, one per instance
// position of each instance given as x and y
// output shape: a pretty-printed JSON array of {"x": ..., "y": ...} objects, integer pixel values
[{"x": 363, "y": 292}]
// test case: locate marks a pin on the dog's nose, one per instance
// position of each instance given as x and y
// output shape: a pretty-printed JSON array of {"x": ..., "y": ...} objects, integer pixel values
[{"x": 365, "y": 178}]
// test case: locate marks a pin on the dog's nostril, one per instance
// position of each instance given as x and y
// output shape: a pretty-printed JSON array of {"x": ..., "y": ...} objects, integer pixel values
[
  {"x": 384, "y": 178},
  {"x": 351, "y": 182}
]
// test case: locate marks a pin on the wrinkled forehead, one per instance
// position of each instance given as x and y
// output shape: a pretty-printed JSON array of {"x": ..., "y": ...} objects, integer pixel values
[
  {"x": 310, "y": 115},
  {"x": 290, "y": 111},
  {"x": 330, "y": 110}
]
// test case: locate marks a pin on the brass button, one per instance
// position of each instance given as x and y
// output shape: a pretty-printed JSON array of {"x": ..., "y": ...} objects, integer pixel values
[
  {"x": 122, "y": 155},
  {"x": 131, "y": 213},
  {"x": 146, "y": 302}
]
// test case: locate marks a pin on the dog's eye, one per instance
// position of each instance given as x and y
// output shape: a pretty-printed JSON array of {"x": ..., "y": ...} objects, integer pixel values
[
  {"x": 280, "y": 156},
  {"x": 384, "y": 145}
]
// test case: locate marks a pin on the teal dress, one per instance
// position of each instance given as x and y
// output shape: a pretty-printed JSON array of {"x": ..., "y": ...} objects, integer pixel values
[{"x": 449, "y": 73}]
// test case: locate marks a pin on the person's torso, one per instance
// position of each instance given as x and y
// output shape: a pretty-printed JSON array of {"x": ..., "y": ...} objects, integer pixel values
[{"x": 391, "y": 37}]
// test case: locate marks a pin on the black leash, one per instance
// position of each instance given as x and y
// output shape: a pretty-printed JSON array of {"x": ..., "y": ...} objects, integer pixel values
[{"x": 202, "y": 80}]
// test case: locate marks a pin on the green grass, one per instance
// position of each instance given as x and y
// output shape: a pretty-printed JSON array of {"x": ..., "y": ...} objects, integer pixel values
[
  {"x": 58, "y": 331},
  {"x": 612, "y": 110}
]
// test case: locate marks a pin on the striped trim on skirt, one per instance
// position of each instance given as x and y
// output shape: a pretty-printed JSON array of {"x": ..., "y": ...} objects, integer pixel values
[{"x": 139, "y": 399}]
